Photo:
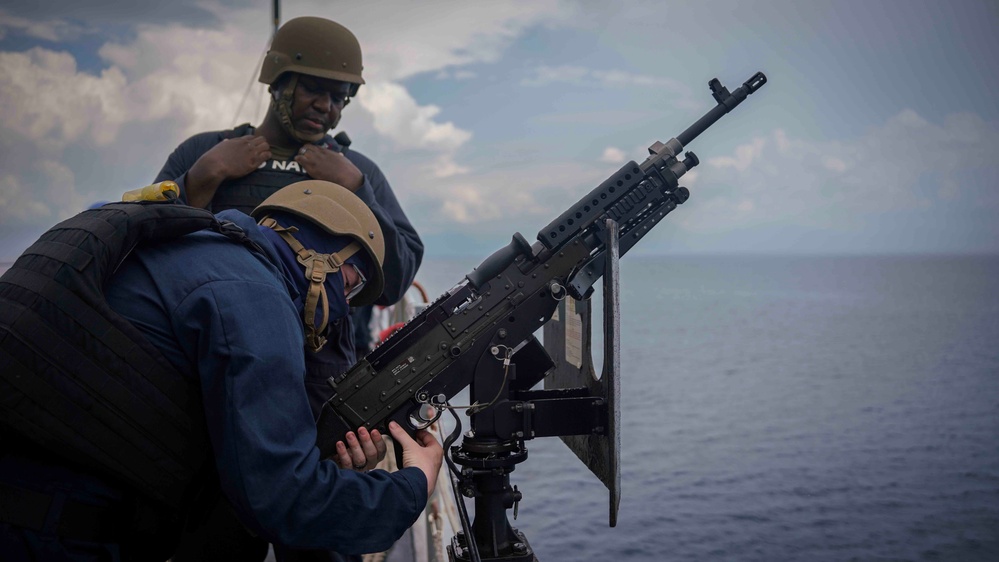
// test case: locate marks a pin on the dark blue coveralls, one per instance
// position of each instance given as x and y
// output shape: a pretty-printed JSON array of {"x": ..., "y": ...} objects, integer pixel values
[{"x": 230, "y": 317}]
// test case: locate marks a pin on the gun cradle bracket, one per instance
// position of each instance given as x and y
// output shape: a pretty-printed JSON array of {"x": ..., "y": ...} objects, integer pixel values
[{"x": 550, "y": 413}]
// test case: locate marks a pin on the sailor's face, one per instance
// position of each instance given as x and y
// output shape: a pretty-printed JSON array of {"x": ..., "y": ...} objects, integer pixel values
[
  {"x": 353, "y": 280},
  {"x": 317, "y": 103}
]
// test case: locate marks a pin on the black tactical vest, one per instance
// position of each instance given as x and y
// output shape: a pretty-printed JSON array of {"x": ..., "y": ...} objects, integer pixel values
[
  {"x": 245, "y": 193},
  {"x": 80, "y": 381}
]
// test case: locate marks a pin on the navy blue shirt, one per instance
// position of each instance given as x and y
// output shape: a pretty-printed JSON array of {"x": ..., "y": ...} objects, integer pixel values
[{"x": 227, "y": 316}]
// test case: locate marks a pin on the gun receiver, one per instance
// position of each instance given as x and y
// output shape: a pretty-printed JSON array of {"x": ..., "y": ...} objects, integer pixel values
[{"x": 512, "y": 294}]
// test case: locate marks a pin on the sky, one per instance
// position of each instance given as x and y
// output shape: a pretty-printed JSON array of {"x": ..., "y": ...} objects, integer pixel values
[{"x": 875, "y": 134}]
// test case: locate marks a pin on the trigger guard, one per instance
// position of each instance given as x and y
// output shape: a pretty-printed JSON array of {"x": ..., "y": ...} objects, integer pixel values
[{"x": 419, "y": 421}]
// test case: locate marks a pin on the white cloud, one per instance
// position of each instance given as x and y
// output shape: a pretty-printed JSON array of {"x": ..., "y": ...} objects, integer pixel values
[
  {"x": 487, "y": 205},
  {"x": 168, "y": 81},
  {"x": 42, "y": 192},
  {"x": 770, "y": 180},
  {"x": 48, "y": 101},
  {"x": 613, "y": 155},
  {"x": 197, "y": 77},
  {"x": 187, "y": 80},
  {"x": 167, "y": 72},
  {"x": 456, "y": 75},
  {"x": 834, "y": 164},
  {"x": 194, "y": 77},
  {"x": 503, "y": 198},
  {"x": 449, "y": 34},
  {"x": 17, "y": 201},
  {"x": 445, "y": 167},
  {"x": 466, "y": 205},
  {"x": 744, "y": 156},
  {"x": 543, "y": 75},
  {"x": 907, "y": 163},
  {"x": 49, "y": 30},
  {"x": 690, "y": 178},
  {"x": 410, "y": 125},
  {"x": 178, "y": 78}
]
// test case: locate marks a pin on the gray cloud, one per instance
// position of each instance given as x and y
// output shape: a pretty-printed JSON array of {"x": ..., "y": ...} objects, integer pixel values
[
  {"x": 69, "y": 18},
  {"x": 907, "y": 176},
  {"x": 171, "y": 77},
  {"x": 904, "y": 176},
  {"x": 70, "y": 136}
]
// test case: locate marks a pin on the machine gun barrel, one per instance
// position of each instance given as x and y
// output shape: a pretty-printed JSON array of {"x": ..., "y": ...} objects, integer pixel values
[
  {"x": 633, "y": 186},
  {"x": 726, "y": 102},
  {"x": 513, "y": 293}
]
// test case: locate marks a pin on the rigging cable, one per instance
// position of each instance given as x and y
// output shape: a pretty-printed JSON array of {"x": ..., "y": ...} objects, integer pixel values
[
  {"x": 249, "y": 86},
  {"x": 276, "y": 17}
]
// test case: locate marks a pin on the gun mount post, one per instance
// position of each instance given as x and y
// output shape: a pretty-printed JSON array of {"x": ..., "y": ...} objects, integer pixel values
[{"x": 487, "y": 461}]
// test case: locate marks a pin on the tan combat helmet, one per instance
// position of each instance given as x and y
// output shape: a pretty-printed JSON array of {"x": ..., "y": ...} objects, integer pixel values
[
  {"x": 316, "y": 47},
  {"x": 337, "y": 211}
]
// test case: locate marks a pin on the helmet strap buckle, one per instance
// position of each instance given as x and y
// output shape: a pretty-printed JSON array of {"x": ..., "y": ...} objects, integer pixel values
[{"x": 317, "y": 267}]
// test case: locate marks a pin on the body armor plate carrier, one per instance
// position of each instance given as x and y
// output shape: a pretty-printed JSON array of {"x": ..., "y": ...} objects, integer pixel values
[
  {"x": 246, "y": 192},
  {"x": 80, "y": 381}
]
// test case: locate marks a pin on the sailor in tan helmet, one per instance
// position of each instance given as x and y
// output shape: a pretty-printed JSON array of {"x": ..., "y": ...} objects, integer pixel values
[
  {"x": 179, "y": 386},
  {"x": 313, "y": 68}
]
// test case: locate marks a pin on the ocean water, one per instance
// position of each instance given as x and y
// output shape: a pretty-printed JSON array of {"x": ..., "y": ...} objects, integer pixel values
[{"x": 788, "y": 408}]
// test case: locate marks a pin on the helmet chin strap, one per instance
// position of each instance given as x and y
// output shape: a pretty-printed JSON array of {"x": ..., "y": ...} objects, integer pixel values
[
  {"x": 281, "y": 103},
  {"x": 317, "y": 266}
]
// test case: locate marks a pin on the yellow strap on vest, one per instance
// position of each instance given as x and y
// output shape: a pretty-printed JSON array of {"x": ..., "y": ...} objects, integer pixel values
[{"x": 317, "y": 266}]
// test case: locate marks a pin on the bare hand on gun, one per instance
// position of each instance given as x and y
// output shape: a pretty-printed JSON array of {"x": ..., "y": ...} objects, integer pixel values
[{"x": 424, "y": 453}]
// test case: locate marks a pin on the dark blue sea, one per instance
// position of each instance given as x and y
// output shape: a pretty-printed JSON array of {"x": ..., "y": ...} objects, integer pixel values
[{"x": 788, "y": 408}]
